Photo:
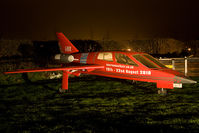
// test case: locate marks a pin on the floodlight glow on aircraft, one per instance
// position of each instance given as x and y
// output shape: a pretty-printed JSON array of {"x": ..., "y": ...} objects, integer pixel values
[{"x": 134, "y": 66}]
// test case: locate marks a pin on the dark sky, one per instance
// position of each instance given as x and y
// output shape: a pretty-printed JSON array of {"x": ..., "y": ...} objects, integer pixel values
[{"x": 98, "y": 19}]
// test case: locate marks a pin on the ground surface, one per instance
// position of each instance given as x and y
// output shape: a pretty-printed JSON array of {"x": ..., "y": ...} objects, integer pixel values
[{"x": 95, "y": 104}]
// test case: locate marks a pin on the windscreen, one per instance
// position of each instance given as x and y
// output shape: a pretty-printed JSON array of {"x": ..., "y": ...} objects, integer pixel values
[
  {"x": 123, "y": 59},
  {"x": 154, "y": 60},
  {"x": 145, "y": 61}
]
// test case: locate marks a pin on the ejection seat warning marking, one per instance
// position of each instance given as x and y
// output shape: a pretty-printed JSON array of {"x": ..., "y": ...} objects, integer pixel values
[
  {"x": 125, "y": 70},
  {"x": 83, "y": 58}
]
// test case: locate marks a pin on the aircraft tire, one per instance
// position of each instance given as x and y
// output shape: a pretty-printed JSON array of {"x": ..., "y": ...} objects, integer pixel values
[
  {"x": 62, "y": 90},
  {"x": 133, "y": 82},
  {"x": 162, "y": 91}
]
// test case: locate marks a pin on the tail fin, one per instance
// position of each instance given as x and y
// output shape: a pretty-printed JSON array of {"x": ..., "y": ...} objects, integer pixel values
[{"x": 66, "y": 47}]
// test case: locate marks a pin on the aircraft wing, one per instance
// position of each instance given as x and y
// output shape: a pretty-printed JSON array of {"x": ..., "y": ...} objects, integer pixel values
[
  {"x": 65, "y": 70},
  {"x": 85, "y": 67}
]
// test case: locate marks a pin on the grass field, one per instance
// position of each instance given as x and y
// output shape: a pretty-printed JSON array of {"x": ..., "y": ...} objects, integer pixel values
[{"x": 95, "y": 104}]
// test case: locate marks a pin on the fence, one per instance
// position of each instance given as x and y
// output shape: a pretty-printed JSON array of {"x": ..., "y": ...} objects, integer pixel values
[{"x": 189, "y": 66}]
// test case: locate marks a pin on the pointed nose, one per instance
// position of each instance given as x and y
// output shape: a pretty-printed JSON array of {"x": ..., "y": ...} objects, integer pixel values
[{"x": 184, "y": 80}]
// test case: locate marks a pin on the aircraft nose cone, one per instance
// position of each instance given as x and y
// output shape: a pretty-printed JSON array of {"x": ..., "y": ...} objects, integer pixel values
[{"x": 184, "y": 80}]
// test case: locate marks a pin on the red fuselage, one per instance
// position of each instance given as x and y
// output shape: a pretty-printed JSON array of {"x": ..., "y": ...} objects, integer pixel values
[{"x": 132, "y": 66}]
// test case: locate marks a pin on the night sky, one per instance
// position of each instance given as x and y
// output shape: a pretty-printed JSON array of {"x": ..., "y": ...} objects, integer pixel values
[{"x": 99, "y": 19}]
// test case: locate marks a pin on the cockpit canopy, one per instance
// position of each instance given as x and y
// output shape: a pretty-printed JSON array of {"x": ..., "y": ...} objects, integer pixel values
[
  {"x": 148, "y": 61},
  {"x": 125, "y": 59}
]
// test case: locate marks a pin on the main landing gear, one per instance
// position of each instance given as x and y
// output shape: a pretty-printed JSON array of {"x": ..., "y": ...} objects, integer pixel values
[
  {"x": 64, "y": 87},
  {"x": 62, "y": 90},
  {"x": 162, "y": 91}
]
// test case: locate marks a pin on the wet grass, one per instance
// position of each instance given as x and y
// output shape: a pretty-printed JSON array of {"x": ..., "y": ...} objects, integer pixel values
[{"x": 95, "y": 104}]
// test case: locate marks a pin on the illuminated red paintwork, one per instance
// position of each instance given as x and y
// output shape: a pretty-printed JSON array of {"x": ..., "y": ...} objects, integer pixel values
[
  {"x": 66, "y": 71},
  {"x": 164, "y": 77},
  {"x": 66, "y": 49},
  {"x": 116, "y": 64}
]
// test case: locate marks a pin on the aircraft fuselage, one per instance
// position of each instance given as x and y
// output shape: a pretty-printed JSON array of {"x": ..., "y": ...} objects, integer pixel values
[{"x": 132, "y": 68}]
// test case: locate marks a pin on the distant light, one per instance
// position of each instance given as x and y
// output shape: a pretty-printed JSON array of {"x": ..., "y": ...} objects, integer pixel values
[
  {"x": 128, "y": 49},
  {"x": 189, "y": 49}
]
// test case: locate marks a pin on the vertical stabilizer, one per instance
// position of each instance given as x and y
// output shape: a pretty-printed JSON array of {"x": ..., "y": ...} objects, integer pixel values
[{"x": 66, "y": 47}]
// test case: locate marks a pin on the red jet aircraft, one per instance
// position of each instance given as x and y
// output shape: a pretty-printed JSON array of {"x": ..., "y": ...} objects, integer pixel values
[{"x": 117, "y": 64}]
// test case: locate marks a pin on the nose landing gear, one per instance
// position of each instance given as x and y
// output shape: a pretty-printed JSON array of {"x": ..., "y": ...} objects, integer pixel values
[{"x": 162, "y": 91}]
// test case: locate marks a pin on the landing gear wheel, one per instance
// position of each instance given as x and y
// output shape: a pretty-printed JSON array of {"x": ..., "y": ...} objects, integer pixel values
[
  {"x": 133, "y": 82},
  {"x": 162, "y": 91},
  {"x": 62, "y": 90}
]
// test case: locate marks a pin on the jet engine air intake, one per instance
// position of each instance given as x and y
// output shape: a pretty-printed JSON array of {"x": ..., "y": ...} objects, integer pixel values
[{"x": 64, "y": 58}]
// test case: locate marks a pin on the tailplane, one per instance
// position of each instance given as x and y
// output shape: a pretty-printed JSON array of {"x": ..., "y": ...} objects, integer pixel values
[{"x": 66, "y": 47}]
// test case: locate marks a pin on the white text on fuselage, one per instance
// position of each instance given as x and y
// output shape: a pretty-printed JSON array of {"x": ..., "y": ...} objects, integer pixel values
[
  {"x": 119, "y": 66},
  {"x": 126, "y": 70}
]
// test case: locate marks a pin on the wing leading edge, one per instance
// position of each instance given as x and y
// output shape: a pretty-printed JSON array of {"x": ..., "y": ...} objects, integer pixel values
[
  {"x": 66, "y": 71},
  {"x": 87, "y": 67}
]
